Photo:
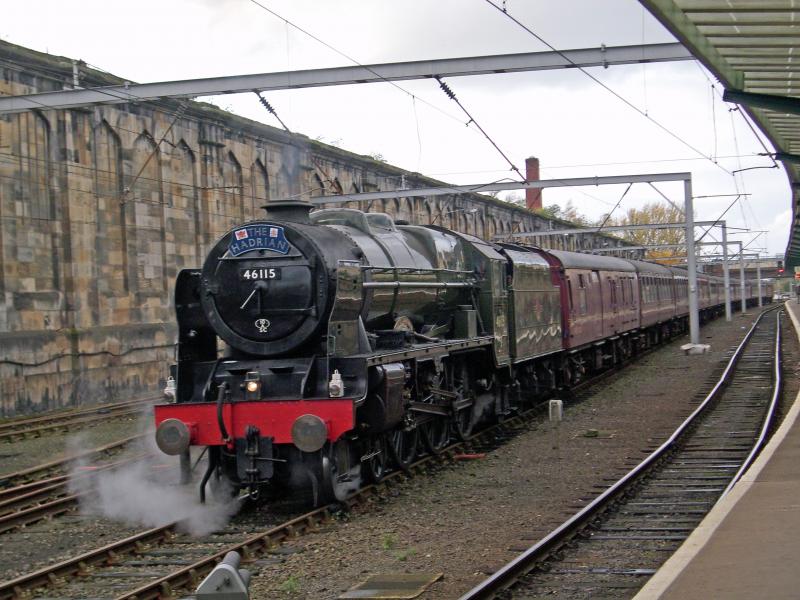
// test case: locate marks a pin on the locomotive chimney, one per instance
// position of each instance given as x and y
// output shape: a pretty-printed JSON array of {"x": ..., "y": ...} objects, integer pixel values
[
  {"x": 294, "y": 211},
  {"x": 533, "y": 197}
]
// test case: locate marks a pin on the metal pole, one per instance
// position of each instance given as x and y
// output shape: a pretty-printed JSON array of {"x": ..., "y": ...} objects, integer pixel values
[
  {"x": 758, "y": 276},
  {"x": 694, "y": 315},
  {"x": 741, "y": 278},
  {"x": 726, "y": 274}
]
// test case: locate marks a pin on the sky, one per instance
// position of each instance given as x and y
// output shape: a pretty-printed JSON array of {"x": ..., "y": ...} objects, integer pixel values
[{"x": 571, "y": 123}]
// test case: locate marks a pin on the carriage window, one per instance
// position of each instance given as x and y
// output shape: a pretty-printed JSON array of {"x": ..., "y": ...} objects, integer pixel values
[{"x": 581, "y": 282}]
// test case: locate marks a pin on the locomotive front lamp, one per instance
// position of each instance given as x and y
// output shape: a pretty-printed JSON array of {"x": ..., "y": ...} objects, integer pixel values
[{"x": 252, "y": 385}]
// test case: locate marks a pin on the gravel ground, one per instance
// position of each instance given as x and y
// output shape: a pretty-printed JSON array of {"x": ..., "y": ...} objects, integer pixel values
[
  {"x": 473, "y": 517},
  {"x": 22, "y": 454},
  {"x": 463, "y": 521},
  {"x": 50, "y": 541}
]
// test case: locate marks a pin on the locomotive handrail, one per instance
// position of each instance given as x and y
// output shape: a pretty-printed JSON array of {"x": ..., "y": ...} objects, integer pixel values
[
  {"x": 287, "y": 257},
  {"x": 419, "y": 284},
  {"x": 415, "y": 270}
]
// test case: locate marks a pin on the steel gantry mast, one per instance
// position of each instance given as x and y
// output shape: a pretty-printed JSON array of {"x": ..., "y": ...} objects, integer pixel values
[{"x": 384, "y": 72}]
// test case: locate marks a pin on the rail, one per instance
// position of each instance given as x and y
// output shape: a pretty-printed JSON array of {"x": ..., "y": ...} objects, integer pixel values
[
  {"x": 511, "y": 572},
  {"x": 17, "y": 429},
  {"x": 39, "y": 471},
  {"x": 770, "y": 418},
  {"x": 264, "y": 541}
]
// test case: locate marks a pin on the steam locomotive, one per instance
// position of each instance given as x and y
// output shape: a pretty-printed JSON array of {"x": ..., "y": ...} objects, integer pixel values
[{"x": 325, "y": 348}]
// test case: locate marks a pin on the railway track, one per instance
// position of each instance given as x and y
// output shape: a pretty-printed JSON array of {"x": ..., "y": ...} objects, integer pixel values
[
  {"x": 161, "y": 561},
  {"x": 108, "y": 570},
  {"x": 615, "y": 543},
  {"x": 61, "y": 466},
  {"x": 29, "y": 503},
  {"x": 20, "y": 429},
  {"x": 43, "y": 491},
  {"x": 104, "y": 572}
]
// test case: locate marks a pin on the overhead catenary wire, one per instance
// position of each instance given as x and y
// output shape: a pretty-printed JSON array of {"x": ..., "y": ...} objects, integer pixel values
[
  {"x": 450, "y": 94},
  {"x": 608, "y": 216},
  {"x": 744, "y": 115},
  {"x": 681, "y": 211},
  {"x": 178, "y": 113},
  {"x": 604, "y": 86},
  {"x": 606, "y": 164},
  {"x": 739, "y": 188},
  {"x": 394, "y": 84},
  {"x": 719, "y": 218},
  {"x": 714, "y": 122},
  {"x": 350, "y": 58},
  {"x": 735, "y": 172},
  {"x": 419, "y": 136}
]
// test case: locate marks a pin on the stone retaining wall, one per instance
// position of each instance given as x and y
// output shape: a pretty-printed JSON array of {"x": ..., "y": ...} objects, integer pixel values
[{"x": 100, "y": 207}]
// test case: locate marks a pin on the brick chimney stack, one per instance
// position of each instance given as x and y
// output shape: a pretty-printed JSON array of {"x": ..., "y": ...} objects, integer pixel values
[{"x": 533, "y": 198}]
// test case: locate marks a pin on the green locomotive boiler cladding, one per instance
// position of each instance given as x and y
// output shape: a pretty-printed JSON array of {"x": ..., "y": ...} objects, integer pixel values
[{"x": 413, "y": 277}]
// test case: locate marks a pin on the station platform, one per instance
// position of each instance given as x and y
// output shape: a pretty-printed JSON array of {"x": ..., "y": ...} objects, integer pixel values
[{"x": 747, "y": 546}]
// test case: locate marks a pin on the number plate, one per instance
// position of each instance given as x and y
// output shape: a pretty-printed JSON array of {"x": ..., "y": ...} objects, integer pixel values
[{"x": 260, "y": 273}]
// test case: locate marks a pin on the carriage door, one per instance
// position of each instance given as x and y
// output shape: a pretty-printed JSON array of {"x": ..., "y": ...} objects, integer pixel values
[{"x": 613, "y": 293}]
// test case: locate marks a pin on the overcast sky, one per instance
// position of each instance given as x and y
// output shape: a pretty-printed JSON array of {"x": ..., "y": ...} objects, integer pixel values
[{"x": 571, "y": 123}]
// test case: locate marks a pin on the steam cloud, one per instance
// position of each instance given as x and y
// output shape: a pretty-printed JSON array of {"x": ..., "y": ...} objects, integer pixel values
[{"x": 146, "y": 492}]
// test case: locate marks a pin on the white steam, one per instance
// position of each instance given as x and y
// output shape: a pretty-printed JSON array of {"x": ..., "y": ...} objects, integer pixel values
[{"x": 145, "y": 491}]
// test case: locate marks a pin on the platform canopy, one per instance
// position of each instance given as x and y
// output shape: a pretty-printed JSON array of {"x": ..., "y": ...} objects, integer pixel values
[{"x": 751, "y": 46}]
